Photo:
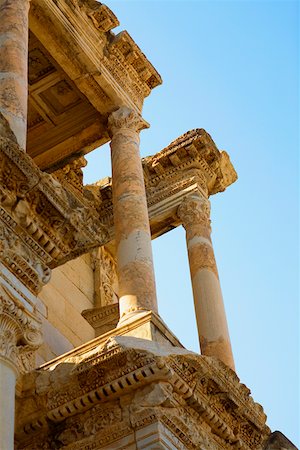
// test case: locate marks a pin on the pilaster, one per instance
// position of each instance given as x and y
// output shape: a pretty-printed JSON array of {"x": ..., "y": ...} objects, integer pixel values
[{"x": 20, "y": 337}]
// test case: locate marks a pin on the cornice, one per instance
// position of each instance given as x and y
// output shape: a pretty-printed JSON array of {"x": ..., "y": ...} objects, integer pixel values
[
  {"x": 42, "y": 224},
  {"x": 190, "y": 164},
  {"x": 109, "y": 65},
  {"x": 50, "y": 219},
  {"x": 193, "y": 149},
  {"x": 201, "y": 388}
]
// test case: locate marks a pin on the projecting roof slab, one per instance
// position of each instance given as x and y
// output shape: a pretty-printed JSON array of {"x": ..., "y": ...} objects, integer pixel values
[{"x": 79, "y": 72}]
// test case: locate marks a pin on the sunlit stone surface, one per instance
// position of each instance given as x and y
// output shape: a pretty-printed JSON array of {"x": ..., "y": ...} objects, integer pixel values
[{"x": 86, "y": 362}]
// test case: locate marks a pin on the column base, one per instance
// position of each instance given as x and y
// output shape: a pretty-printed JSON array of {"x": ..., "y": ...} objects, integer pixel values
[
  {"x": 103, "y": 319},
  {"x": 147, "y": 325},
  {"x": 143, "y": 324}
]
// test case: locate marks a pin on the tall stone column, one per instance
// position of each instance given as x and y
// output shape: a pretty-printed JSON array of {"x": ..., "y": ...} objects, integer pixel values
[
  {"x": 13, "y": 66},
  {"x": 214, "y": 339},
  {"x": 20, "y": 336},
  {"x": 135, "y": 270}
]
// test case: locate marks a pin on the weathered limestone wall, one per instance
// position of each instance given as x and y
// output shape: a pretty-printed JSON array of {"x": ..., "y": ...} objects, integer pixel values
[{"x": 69, "y": 292}]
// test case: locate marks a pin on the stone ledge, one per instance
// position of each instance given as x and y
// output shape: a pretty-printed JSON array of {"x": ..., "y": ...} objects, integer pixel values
[{"x": 105, "y": 393}]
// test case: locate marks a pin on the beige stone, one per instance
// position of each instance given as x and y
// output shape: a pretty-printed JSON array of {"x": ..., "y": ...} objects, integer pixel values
[
  {"x": 134, "y": 386},
  {"x": 8, "y": 376},
  {"x": 13, "y": 65},
  {"x": 132, "y": 231},
  {"x": 128, "y": 392},
  {"x": 209, "y": 307}
]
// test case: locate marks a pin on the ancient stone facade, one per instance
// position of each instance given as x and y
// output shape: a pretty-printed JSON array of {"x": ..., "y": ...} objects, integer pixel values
[{"x": 85, "y": 360}]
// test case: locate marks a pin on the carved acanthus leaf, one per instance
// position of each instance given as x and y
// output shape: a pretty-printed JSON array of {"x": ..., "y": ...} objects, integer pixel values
[
  {"x": 126, "y": 119},
  {"x": 194, "y": 210},
  {"x": 20, "y": 332}
]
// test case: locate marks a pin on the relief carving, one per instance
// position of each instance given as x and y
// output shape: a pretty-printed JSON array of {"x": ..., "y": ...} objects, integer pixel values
[
  {"x": 20, "y": 332},
  {"x": 126, "y": 119},
  {"x": 136, "y": 388},
  {"x": 72, "y": 174},
  {"x": 195, "y": 210},
  {"x": 52, "y": 223}
]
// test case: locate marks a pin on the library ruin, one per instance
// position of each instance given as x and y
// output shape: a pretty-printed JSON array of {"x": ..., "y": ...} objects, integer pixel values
[{"x": 86, "y": 362}]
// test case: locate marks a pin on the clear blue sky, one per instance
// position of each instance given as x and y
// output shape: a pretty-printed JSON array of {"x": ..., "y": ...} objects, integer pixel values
[{"x": 231, "y": 67}]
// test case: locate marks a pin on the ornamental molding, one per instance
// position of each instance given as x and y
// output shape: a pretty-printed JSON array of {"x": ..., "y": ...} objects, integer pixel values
[
  {"x": 125, "y": 384},
  {"x": 194, "y": 149},
  {"x": 191, "y": 165},
  {"x": 43, "y": 223},
  {"x": 125, "y": 119},
  {"x": 119, "y": 72},
  {"x": 195, "y": 211},
  {"x": 20, "y": 332}
]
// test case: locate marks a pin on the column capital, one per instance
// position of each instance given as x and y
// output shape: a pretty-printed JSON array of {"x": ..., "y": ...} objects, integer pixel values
[
  {"x": 20, "y": 332},
  {"x": 194, "y": 210},
  {"x": 126, "y": 118}
]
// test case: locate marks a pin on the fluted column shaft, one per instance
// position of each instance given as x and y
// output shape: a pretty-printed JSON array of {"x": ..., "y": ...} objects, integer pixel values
[
  {"x": 13, "y": 65},
  {"x": 209, "y": 307},
  {"x": 132, "y": 230},
  {"x": 20, "y": 336},
  {"x": 8, "y": 376}
]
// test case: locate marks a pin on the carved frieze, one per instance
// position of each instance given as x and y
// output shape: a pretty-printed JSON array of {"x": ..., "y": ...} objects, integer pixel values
[
  {"x": 193, "y": 150},
  {"x": 110, "y": 392},
  {"x": 42, "y": 222},
  {"x": 20, "y": 331},
  {"x": 71, "y": 175},
  {"x": 191, "y": 164}
]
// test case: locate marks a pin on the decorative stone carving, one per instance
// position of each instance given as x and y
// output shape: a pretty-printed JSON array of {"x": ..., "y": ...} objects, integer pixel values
[
  {"x": 20, "y": 332},
  {"x": 105, "y": 314},
  {"x": 102, "y": 17},
  {"x": 115, "y": 391},
  {"x": 47, "y": 223},
  {"x": 103, "y": 318},
  {"x": 105, "y": 277},
  {"x": 126, "y": 119},
  {"x": 195, "y": 210},
  {"x": 196, "y": 171},
  {"x": 71, "y": 175},
  {"x": 193, "y": 150},
  {"x": 21, "y": 260}
]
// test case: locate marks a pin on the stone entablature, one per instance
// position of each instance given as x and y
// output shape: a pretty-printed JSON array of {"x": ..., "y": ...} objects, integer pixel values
[
  {"x": 94, "y": 399},
  {"x": 42, "y": 224},
  {"x": 79, "y": 73},
  {"x": 193, "y": 150},
  {"x": 191, "y": 163},
  {"x": 55, "y": 222}
]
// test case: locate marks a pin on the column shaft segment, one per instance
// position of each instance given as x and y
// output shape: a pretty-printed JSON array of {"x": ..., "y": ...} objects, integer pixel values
[
  {"x": 132, "y": 230},
  {"x": 8, "y": 374},
  {"x": 209, "y": 307},
  {"x": 14, "y": 65}
]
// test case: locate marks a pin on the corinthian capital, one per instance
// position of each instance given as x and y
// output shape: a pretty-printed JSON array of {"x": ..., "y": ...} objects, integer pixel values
[
  {"x": 126, "y": 119},
  {"x": 20, "y": 332},
  {"x": 194, "y": 210}
]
